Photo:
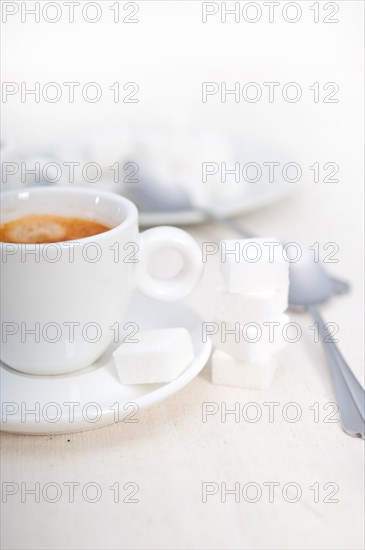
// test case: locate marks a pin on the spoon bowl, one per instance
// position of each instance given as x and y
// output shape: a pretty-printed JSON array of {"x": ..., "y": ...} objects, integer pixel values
[{"x": 309, "y": 282}]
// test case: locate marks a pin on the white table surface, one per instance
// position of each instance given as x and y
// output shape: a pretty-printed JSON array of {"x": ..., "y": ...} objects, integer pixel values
[{"x": 170, "y": 452}]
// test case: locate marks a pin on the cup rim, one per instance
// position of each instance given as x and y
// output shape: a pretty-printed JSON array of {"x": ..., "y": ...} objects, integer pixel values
[{"x": 132, "y": 212}]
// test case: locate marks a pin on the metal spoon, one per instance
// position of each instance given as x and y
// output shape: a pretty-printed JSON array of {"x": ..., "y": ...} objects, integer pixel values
[{"x": 310, "y": 286}]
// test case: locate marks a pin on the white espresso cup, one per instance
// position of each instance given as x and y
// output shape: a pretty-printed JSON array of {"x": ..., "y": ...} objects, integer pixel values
[{"x": 60, "y": 301}]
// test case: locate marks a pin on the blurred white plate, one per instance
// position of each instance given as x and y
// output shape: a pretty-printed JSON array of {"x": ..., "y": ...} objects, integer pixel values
[
  {"x": 254, "y": 198},
  {"x": 98, "y": 384}
]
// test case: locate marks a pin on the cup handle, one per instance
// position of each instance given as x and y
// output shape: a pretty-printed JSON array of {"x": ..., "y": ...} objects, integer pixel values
[{"x": 179, "y": 286}]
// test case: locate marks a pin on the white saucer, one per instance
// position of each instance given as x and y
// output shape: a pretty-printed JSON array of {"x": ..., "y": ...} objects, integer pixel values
[
  {"x": 257, "y": 196},
  {"x": 98, "y": 384}
]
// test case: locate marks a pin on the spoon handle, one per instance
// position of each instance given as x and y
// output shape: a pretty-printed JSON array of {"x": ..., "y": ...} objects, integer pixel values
[{"x": 349, "y": 392}]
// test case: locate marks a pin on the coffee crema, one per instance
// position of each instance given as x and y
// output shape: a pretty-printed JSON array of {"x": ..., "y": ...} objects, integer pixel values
[{"x": 43, "y": 229}]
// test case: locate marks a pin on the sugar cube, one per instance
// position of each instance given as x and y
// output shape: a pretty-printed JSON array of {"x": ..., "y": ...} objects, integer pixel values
[
  {"x": 160, "y": 355},
  {"x": 228, "y": 371},
  {"x": 252, "y": 342},
  {"x": 251, "y": 306},
  {"x": 254, "y": 265}
]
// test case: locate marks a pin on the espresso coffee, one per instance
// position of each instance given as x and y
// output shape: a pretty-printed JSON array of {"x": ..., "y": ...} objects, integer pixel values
[{"x": 42, "y": 229}]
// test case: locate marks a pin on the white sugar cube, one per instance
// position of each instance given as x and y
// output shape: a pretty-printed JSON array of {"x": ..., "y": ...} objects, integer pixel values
[
  {"x": 160, "y": 355},
  {"x": 228, "y": 371},
  {"x": 252, "y": 342},
  {"x": 252, "y": 306},
  {"x": 254, "y": 265}
]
